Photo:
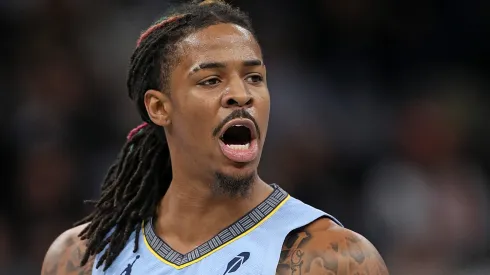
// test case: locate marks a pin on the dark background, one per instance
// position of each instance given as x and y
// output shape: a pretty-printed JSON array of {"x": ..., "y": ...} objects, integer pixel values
[{"x": 380, "y": 116}]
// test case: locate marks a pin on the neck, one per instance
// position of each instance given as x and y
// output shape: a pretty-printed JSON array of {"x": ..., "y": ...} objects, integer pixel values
[{"x": 189, "y": 205}]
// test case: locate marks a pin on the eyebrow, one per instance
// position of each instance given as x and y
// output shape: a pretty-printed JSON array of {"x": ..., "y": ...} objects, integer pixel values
[{"x": 216, "y": 65}]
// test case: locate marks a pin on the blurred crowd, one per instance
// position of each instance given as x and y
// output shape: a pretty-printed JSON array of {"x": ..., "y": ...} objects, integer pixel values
[{"x": 380, "y": 116}]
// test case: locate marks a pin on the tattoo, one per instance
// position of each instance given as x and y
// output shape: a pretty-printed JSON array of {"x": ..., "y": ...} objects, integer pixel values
[
  {"x": 297, "y": 262},
  {"x": 51, "y": 270},
  {"x": 291, "y": 251},
  {"x": 68, "y": 263},
  {"x": 318, "y": 253}
]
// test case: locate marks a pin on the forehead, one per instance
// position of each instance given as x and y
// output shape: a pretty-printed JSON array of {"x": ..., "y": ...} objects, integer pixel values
[{"x": 219, "y": 43}]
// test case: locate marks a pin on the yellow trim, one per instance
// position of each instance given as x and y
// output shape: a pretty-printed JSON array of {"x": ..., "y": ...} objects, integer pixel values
[{"x": 217, "y": 248}]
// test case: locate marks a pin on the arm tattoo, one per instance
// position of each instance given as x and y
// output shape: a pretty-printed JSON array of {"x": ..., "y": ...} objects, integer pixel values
[
  {"x": 312, "y": 253},
  {"x": 291, "y": 255},
  {"x": 69, "y": 261}
]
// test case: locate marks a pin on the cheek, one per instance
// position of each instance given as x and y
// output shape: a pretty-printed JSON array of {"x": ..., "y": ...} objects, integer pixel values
[
  {"x": 197, "y": 115},
  {"x": 261, "y": 112},
  {"x": 262, "y": 107}
]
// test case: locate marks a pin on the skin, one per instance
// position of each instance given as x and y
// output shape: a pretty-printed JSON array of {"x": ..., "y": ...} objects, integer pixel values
[
  {"x": 324, "y": 248},
  {"x": 65, "y": 254},
  {"x": 197, "y": 101}
]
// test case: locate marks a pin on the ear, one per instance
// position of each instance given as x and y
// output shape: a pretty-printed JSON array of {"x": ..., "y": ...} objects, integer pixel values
[{"x": 159, "y": 107}]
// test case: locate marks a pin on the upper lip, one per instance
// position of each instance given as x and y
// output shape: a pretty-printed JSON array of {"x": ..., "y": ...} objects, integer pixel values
[{"x": 240, "y": 122}]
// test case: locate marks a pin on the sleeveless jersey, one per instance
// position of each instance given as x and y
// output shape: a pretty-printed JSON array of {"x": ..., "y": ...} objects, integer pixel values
[{"x": 250, "y": 246}]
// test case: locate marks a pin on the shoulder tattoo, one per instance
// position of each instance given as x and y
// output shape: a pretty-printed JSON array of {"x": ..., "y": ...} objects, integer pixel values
[
  {"x": 68, "y": 261},
  {"x": 322, "y": 253}
]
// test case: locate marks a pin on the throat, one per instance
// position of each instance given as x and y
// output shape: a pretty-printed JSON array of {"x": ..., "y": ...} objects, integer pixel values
[{"x": 185, "y": 221}]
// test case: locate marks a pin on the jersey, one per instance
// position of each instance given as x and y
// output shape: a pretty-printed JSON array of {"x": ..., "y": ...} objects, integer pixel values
[{"x": 251, "y": 245}]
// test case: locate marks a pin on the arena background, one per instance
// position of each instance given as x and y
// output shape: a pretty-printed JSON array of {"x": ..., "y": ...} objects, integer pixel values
[{"x": 380, "y": 116}]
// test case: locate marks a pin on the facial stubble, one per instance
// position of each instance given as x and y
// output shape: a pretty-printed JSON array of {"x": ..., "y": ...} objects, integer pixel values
[{"x": 234, "y": 186}]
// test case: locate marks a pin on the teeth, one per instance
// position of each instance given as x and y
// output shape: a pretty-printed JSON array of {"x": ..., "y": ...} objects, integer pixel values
[{"x": 239, "y": 147}]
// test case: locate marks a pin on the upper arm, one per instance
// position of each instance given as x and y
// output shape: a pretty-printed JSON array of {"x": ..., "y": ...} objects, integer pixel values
[
  {"x": 65, "y": 254},
  {"x": 336, "y": 250}
]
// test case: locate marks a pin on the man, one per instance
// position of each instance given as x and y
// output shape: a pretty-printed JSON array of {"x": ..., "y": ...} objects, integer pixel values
[{"x": 186, "y": 185}]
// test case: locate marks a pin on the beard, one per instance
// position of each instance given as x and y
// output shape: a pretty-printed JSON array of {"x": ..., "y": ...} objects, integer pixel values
[{"x": 235, "y": 186}]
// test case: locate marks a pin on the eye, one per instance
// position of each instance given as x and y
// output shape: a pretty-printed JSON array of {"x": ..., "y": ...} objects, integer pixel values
[
  {"x": 210, "y": 82},
  {"x": 254, "y": 78}
]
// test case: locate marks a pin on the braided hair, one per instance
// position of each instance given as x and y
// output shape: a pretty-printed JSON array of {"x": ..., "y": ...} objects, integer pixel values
[{"x": 142, "y": 173}]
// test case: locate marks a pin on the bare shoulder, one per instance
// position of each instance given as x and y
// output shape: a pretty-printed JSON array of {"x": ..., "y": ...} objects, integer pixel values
[
  {"x": 324, "y": 248},
  {"x": 65, "y": 254}
]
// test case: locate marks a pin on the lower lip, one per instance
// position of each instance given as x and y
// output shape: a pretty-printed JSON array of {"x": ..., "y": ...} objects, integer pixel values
[{"x": 240, "y": 155}]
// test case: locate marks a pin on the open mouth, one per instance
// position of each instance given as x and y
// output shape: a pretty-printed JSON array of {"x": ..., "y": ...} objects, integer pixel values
[
  {"x": 237, "y": 136},
  {"x": 238, "y": 141}
]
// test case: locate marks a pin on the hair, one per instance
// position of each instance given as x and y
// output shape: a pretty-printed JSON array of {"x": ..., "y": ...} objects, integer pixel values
[{"x": 142, "y": 172}]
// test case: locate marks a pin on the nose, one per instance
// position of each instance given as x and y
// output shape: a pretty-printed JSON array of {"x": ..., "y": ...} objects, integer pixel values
[{"x": 237, "y": 95}]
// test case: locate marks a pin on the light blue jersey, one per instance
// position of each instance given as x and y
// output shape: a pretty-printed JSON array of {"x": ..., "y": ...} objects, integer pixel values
[{"x": 251, "y": 246}]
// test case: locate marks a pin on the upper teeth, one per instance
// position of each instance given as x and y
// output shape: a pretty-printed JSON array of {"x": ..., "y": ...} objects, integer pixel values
[{"x": 239, "y": 147}]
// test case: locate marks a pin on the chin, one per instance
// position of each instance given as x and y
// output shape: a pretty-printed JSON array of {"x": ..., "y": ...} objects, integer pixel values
[
  {"x": 235, "y": 182},
  {"x": 239, "y": 168}
]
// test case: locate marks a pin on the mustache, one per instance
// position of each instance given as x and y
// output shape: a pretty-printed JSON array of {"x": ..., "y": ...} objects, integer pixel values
[{"x": 238, "y": 113}]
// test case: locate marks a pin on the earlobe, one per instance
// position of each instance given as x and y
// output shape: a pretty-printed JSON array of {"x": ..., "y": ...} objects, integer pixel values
[{"x": 158, "y": 107}]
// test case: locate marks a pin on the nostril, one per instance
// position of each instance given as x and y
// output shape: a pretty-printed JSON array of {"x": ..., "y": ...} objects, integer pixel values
[
  {"x": 231, "y": 102},
  {"x": 249, "y": 102}
]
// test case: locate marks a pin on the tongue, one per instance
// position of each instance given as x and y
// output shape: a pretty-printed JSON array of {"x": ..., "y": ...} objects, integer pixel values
[{"x": 240, "y": 153}]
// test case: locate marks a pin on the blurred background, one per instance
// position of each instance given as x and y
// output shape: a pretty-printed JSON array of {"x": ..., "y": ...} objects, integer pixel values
[{"x": 380, "y": 116}]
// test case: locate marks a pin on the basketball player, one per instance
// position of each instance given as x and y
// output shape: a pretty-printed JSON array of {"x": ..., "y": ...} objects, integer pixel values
[{"x": 184, "y": 197}]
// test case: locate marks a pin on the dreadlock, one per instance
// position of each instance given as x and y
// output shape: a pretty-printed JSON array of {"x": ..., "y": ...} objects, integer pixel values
[{"x": 136, "y": 182}]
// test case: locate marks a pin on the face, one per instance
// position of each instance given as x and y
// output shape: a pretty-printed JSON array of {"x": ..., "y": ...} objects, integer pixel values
[{"x": 217, "y": 110}]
